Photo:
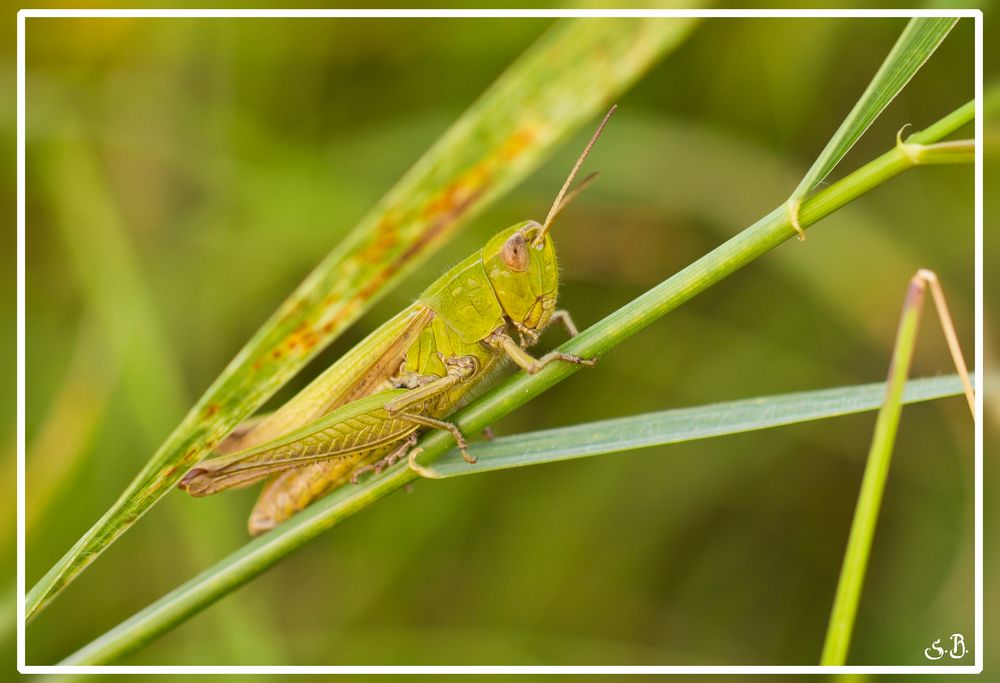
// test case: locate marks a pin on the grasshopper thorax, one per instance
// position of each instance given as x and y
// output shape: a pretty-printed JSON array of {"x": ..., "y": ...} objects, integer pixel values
[{"x": 524, "y": 275}]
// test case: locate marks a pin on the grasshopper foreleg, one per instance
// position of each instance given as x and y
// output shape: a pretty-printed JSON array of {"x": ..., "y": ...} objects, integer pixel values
[
  {"x": 501, "y": 340},
  {"x": 562, "y": 315},
  {"x": 529, "y": 336}
]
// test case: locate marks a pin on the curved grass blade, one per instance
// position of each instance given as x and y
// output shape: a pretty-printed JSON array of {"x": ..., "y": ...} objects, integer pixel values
[
  {"x": 682, "y": 424},
  {"x": 266, "y": 550},
  {"x": 569, "y": 75},
  {"x": 915, "y": 45}
]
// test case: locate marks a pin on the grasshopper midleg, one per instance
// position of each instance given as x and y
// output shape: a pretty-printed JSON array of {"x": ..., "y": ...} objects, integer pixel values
[
  {"x": 363, "y": 412},
  {"x": 460, "y": 369}
]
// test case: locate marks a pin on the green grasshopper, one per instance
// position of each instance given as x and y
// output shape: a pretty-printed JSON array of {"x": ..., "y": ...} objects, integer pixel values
[{"x": 364, "y": 412}]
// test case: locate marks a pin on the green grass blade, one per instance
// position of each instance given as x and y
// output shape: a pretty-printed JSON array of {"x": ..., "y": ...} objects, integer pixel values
[
  {"x": 564, "y": 80},
  {"x": 266, "y": 550},
  {"x": 683, "y": 424},
  {"x": 915, "y": 45},
  {"x": 852, "y": 573}
]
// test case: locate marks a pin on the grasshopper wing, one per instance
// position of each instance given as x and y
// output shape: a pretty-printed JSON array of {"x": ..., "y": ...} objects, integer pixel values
[
  {"x": 358, "y": 430},
  {"x": 357, "y": 373}
]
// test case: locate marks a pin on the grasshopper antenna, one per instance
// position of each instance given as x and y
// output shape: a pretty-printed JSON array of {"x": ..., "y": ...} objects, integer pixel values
[{"x": 562, "y": 199}]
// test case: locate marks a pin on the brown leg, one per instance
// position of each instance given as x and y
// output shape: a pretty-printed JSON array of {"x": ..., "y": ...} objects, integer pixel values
[
  {"x": 459, "y": 369},
  {"x": 387, "y": 461},
  {"x": 446, "y": 426},
  {"x": 529, "y": 363},
  {"x": 562, "y": 315}
]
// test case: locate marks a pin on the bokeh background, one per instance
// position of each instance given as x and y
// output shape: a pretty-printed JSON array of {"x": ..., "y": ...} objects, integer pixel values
[{"x": 184, "y": 175}]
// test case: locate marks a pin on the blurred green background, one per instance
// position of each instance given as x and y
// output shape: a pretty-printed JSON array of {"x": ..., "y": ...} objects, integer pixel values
[{"x": 184, "y": 175}]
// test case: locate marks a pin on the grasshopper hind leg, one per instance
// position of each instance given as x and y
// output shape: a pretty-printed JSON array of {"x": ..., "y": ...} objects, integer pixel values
[{"x": 293, "y": 490}]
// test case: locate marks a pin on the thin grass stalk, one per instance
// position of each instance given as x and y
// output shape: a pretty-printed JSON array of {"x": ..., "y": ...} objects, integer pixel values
[
  {"x": 859, "y": 543},
  {"x": 852, "y": 574}
]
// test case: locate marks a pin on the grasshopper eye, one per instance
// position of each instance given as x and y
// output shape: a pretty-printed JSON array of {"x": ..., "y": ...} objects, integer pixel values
[{"x": 515, "y": 253}]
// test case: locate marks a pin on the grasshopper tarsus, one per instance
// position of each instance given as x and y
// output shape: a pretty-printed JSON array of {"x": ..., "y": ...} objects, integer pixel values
[{"x": 554, "y": 356}]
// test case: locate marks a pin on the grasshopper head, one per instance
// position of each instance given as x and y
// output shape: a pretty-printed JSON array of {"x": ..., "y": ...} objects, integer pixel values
[
  {"x": 524, "y": 275},
  {"x": 521, "y": 261}
]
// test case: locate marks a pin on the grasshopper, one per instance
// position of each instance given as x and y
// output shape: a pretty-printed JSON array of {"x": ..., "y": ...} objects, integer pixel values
[{"x": 364, "y": 412}]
